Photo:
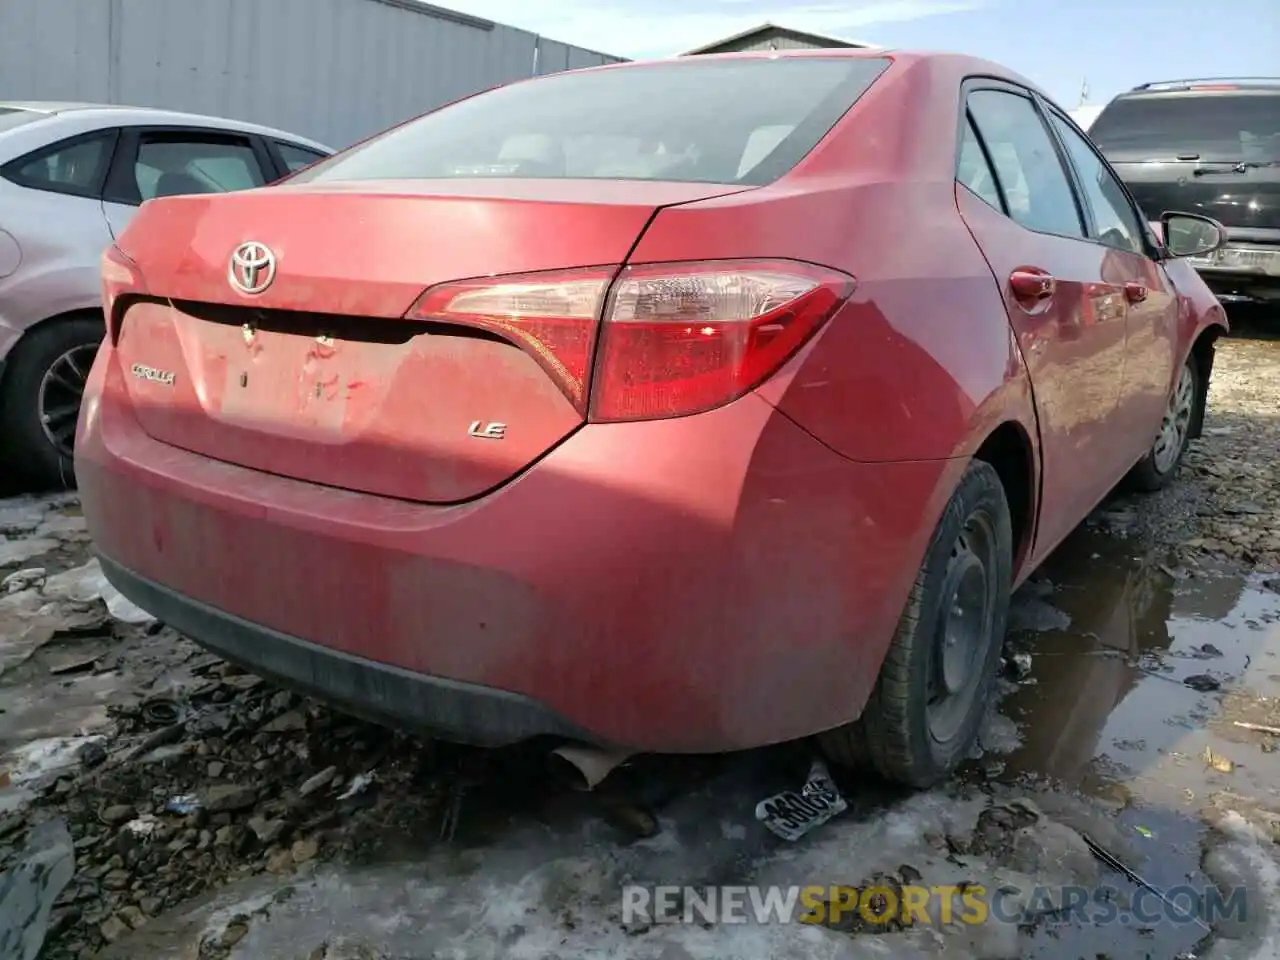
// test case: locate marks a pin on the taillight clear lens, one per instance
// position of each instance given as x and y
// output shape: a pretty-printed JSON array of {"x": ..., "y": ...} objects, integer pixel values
[
  {"x": 681, "y": 338},
  {"x": 553, "y": 316}
]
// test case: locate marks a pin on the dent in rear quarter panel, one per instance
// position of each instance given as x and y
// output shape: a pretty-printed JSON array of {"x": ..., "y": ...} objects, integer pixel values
[{"x": 824, "y": 553}]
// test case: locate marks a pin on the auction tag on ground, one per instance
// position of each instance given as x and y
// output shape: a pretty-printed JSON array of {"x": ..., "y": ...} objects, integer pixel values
[{"x": 791, "y": 815}]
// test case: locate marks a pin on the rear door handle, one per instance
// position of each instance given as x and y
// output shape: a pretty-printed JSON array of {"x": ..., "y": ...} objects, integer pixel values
[
  {"x": 1135, "y": 292},
  {"x": 1032, "y": 283}
]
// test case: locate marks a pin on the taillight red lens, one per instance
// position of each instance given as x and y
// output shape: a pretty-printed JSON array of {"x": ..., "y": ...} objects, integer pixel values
[
  {"x": 120, "y": 277},
  {"x": 552, "y": 315},
  {"x": 680, "y": 338}
]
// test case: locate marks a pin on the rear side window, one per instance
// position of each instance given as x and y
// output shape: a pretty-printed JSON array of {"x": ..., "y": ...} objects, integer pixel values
[
  {"x": 973, "y": 171},
  {"x": 1033, "y": 180},
  {"x": 731, "y": 121},
  {"x": 75, "y": 166},
  {"x": 1236, "y": 126}
]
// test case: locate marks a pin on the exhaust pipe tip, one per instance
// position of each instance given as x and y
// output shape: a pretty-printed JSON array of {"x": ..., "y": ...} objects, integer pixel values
[{"x": 586, "y": 767}]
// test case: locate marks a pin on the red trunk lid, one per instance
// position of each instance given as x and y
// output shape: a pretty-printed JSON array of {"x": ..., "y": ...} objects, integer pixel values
[{"x": 320, "y": 377}]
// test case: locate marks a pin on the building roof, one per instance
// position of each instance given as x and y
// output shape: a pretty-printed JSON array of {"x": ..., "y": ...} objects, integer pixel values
[{"x": 814, "y": 38}]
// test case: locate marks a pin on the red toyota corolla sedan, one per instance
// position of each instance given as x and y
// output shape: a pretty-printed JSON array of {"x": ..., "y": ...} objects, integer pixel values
[{"x": 678, "y": 406}]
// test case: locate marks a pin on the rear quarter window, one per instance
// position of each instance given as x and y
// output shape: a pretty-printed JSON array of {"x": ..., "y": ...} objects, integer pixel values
[{"x": 728, "y": 121}]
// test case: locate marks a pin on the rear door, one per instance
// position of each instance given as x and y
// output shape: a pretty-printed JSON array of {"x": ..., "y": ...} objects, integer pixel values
[
  {"x": 170, "y": 161},
  {"x": 1128, "y": 267},
  {"x": 1017, "y": 198}
]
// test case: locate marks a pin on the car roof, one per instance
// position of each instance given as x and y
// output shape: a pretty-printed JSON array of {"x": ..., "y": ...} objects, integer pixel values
[
  {"x": 950, "y": 64},
  {"x": 111, "y": 114},
  {"x": 1206, "y": 85}
]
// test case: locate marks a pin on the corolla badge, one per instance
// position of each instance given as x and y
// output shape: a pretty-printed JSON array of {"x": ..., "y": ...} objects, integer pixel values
[
  {"x": 252, "y": 268},
  {"x": 143, "y": 372}
]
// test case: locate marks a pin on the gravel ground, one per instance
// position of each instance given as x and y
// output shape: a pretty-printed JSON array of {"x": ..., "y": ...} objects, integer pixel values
[{"x": 1226, "y": 503}]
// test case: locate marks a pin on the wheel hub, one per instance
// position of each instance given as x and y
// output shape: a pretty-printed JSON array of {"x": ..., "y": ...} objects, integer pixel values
[
  {"x": 1176, "y": 424},
  {"x": 58, "y": 400},
  {"x": 961, "y": 632}
]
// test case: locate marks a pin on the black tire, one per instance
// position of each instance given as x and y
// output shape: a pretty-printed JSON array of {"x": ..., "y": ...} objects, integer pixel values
[
  {"x": 1156, "y": 469},
  {"x": 895, "y": 733},
  {"x": 27, "y": 451}
]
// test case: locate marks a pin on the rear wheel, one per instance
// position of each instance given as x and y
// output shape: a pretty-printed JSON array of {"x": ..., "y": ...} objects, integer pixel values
[
  {"x": 40, "y": 395},
  {"x": 1161, "y": 462},
  {"x": 923, "y": 716}
]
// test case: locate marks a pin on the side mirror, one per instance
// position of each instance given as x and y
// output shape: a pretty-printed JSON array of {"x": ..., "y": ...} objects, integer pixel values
[{"x": 1191, "y": 235}]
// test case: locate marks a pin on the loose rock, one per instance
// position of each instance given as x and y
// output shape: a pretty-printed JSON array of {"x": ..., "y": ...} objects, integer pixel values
[{"x": 229, "y": 798}]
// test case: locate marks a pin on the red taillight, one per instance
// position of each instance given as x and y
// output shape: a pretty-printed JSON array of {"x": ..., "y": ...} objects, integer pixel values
[
  {"x": 680, "y": 338},
  {"x": 120, "y": 277},
  {"x": 677, "y": 338},
  {"x": 551, "y": 315}
]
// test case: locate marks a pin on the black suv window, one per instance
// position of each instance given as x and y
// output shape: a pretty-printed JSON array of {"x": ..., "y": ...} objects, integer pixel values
[
  {"x": 1194, "y": 125},
  {"x": 76, "y": 166}
]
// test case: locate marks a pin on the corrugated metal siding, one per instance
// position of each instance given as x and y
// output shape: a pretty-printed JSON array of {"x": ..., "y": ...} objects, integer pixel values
[{"x": 333, "y": 70}]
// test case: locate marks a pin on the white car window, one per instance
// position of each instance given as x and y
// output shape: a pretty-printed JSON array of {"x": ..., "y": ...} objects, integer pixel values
[
  {"x": 168, "y": 166},
  {"x": 75, "y": 168},
  {"x": 296, "y": 157}
]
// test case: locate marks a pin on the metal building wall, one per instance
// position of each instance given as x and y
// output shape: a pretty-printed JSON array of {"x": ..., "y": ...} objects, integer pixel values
[{"x": 333, "y": 70}]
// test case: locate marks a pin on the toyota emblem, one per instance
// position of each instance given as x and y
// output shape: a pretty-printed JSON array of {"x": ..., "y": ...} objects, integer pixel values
[{"x": 252, "y": 268}]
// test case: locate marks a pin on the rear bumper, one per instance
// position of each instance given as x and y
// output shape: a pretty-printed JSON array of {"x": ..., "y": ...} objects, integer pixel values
[
  {"x": 377, "y": 691},
  {"x": 708, "y": 583}
]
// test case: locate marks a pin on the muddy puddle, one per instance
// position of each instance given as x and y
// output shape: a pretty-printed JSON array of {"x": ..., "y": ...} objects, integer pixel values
[
  {"x": 1139, "y": 673},
  {"x": 1148, "y": 682}
]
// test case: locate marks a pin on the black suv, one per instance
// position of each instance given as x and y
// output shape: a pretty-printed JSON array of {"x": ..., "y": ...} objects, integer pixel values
[{"x": 1210, "y": 147}]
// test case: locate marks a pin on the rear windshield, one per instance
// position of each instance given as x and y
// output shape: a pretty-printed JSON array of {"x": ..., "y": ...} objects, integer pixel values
[
  {"x": 11, "y": 117},
  {"x": 715, "y": 121},
  {"x": 1217, "y": 126}
]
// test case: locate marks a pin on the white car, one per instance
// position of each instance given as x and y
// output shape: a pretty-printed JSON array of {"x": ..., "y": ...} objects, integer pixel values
[{"x": 71, "y": 177}]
